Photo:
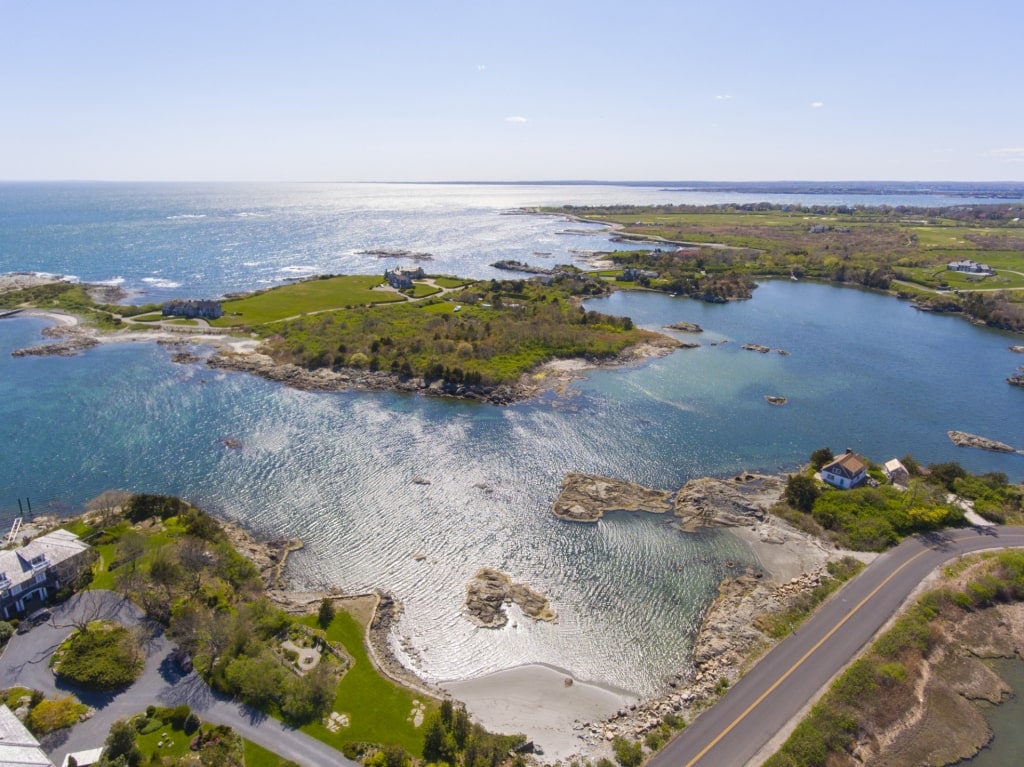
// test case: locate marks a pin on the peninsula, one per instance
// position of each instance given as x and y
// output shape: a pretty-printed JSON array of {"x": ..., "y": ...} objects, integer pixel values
[{"x": 444, "y": 336}]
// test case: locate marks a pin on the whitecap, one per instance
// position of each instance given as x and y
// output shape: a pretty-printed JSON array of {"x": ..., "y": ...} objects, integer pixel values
[
  {"x": 158, "y": 282},
  {"x": 186, "y": 215},
  {"x": 251, "y": 263},
  {"x": 250, "y": 214},
  {"x": 298, "y": 269},
  {"x": 112, "y": 282}
]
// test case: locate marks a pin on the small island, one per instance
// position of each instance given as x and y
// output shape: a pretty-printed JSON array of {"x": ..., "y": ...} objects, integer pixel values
[{"x": 489, "y": 592}]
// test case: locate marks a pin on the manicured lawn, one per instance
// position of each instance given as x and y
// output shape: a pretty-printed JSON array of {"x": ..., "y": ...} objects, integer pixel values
[
  {"x": 257, "y": 756},
  {"x": 451, "y": 282},
  {"x": 378, "y": 709},
  {"x": 305, "y": 297},
  {"x": 422, "y": 290}
]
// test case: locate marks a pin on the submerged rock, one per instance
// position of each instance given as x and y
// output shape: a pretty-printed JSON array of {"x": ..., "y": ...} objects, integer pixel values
[{"x": 773, "y": 399}]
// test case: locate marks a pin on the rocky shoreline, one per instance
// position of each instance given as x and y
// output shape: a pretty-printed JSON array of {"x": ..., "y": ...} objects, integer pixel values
[
  {"x": 549, "y": 376},
  {"x": 705, "y": 502}
]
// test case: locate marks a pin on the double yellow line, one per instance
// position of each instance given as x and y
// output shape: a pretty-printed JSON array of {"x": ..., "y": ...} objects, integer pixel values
[{"x": 718, "y": 738}]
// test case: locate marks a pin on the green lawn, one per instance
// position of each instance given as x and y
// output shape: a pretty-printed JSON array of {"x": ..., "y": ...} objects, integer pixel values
[
  {"x": 257, "y": 756},
  {"x": 422, "y": 290},
  {"x": 452, "y": 282},
  {"x": 315, "y": 295},
  {"x": 106, "y": 547},
  {"x": 378, "y": 709}
]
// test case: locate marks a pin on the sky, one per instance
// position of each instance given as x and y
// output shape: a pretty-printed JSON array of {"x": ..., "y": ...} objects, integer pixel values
[{"x": 418, "y": 90}]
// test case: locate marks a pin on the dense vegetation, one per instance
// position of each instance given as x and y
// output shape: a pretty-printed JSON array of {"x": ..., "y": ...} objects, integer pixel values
[
  {"x": 489, "y": 333},
  {"x": 903, "y": 249},
  {"x": 875, "y": 518},
  {"x": 99, "y": 656},
  {"x": 880, "y": 688},
  {"x": 177, "y": 563}
]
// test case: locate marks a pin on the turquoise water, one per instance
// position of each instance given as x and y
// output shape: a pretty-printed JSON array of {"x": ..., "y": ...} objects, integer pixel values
[{"x": 864, "y": 371}]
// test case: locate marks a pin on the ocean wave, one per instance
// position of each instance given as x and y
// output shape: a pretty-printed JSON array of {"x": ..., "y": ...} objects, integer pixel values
[
  {"x": 301, "y": 269},
  {"x": 186, "y": 215},
  {"x": 112, "y": 282},
  {"x": 159, "y": 282},
  {"x": 251, "y": 263},
  {"x": 250, "y": 214}
]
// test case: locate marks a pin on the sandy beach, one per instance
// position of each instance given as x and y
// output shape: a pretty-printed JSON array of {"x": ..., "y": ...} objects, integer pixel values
[{"x": 536, "y": 701}]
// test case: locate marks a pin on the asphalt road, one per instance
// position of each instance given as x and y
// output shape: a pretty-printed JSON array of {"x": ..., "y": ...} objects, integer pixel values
[
  {"x": 740, "y": 724},
  {"x": 26, "y": 663}
]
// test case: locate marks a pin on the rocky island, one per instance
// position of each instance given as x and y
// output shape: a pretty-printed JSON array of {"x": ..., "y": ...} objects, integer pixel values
[{"x": 489, "y": 592}]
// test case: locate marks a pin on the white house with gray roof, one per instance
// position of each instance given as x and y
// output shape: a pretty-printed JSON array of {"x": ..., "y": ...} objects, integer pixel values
[{"x": 35, "y": 571}]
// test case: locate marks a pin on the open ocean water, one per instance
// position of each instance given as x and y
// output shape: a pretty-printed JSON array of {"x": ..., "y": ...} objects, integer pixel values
[{"x": 865, "y": 371}]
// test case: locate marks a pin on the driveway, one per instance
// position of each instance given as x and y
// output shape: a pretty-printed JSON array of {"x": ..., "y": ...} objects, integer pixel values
[{"x": 25, "y": 663}]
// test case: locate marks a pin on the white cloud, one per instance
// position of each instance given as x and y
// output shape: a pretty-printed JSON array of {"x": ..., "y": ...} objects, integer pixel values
[
  {"x": 1011, "y": 153},
  {"x": 817, "y": 104},
  {"x": 481, "y": 67},
  {"x": 515, "y": 119},
  {"x": 723, "y": 97}
]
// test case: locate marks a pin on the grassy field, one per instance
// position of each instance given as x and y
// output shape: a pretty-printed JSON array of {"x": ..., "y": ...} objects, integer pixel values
[
  {"x": 305, "y": 298},
  {"x": 379, "y": 710}
]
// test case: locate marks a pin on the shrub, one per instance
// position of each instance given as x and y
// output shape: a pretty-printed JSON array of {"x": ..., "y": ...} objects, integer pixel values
[
  {"x": 6, "y": 631},
  {"x": 103, "y": 657},
  {"x": 628, "y": 753},
  {"x": 56, "y": 714}
]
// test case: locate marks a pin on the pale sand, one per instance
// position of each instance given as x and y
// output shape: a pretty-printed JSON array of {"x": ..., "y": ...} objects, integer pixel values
[{"x": 535, "y": 701}]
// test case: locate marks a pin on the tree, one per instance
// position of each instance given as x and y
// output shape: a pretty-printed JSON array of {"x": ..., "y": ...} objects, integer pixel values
[
  {"x": 325, "y": 614},
  {"x": 130, "y": 547},
  {"x": 107, "y": 505},
  {"x": 820, "y": 457},
  {"x": 801, "y": 492},
  {"x": 121, "y": 743}
]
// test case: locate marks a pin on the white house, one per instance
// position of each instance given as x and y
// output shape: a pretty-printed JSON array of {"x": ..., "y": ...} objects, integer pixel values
[
  {"x": 846, "y": 471},
  {"x": 33, "y": 572},
  {"x": 896, "y": 472}
]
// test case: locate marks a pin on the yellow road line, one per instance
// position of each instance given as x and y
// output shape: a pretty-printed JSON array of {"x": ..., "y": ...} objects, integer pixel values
[{"x": 804, "y": 657}]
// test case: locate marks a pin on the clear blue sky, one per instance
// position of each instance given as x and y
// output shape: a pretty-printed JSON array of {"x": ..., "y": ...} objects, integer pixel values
[{"x": 414, "y": 90}]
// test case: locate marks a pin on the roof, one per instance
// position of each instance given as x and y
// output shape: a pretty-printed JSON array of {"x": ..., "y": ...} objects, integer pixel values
[
  {"x": 894, "y": 465},
  {"x": 851, "y": 464},
  {"x": 17, "y": 745},
  {"x": 84, "y": 758},
  {"x": 55, "y": 547}
]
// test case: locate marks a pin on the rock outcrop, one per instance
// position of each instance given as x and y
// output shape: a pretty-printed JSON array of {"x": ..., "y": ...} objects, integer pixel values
[
  {"x": 686, "y": 327},
  {"x": 489, "y": 592},
  {"x": 586, "y": 497},
  {"x": 773, "y": 399},
  {"x": 963, "y": 439},
  {"x": 734, "y": 502}
]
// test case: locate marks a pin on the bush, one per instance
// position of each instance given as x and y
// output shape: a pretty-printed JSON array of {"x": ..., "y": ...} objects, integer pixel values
[
  {"x": 50, "y": 715},
  {"x": 6, "y": 631},
  {"x": 628, "y": 753},
  {"x": 103, "y": 657}
]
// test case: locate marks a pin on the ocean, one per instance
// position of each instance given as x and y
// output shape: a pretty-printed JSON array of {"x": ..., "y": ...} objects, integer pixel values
[{"x": 864, "y": 371}]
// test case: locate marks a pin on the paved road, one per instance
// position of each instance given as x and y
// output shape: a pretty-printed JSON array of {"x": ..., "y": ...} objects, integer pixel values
[
  {"x": 735, "y": 729},
  {"x": 26, "y": 659}
]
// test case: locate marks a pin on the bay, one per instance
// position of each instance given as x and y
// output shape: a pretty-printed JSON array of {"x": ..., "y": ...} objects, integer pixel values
[{"x": 863, "y": 371}]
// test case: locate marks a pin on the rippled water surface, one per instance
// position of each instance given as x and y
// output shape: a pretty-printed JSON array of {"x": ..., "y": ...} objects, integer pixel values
[{"x": 337, "y": 470}]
